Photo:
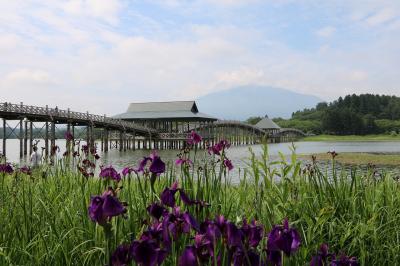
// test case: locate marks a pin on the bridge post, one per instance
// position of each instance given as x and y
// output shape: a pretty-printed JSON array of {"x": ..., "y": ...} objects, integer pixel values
[
  {"x": 88, "y": 136},
  {"x": 53, "y": 134},
  {"x": 30, "y": 137},
  {"x": 124, "y": 142},
  {"x": 120, "y": 141},
  {"x": 68, "y": 141},
  {"x": 26, "y": 138},
  {"x": 106, "y": 133},
  {"x": 4, "y": 138},
  {"x": 102, "y": 140},
  {"x": 133, "y": 140},
  {"x": 73, "y": 137},
  {"x": 21, "y": 138}
]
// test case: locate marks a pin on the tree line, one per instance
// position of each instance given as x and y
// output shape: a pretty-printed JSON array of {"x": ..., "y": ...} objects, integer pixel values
[{"x": 351, "y": 115}]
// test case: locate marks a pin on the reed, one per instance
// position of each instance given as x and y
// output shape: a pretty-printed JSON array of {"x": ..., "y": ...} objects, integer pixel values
[{"x": 44, "y": 216}]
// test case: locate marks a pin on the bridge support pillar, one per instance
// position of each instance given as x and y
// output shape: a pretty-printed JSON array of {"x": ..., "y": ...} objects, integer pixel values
[
  {"x": 133, "y": 140},
  {"x": 120, "y": 141},
  {"x": 4, "y": 138},
  {"x": 68, "y": 141},
  {"x": 124, "y": 141},
  {"x": 106, "y": 144},
  {"x": 26, "y": 138},
  {"x": 53, "y": 135},
  {"x": 21, "y": 138},
  {"x": 31, "y": 136},
  {"x": 73, "y": 138}
]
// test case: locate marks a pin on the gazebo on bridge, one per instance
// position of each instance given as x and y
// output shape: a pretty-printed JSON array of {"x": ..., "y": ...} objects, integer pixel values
[
  {"x": 269, "y": 126},
  {"x": 173, "y": 120}
]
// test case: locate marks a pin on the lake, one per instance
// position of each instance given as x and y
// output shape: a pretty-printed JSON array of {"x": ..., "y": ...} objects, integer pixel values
[{"x": 238, "y": 154}]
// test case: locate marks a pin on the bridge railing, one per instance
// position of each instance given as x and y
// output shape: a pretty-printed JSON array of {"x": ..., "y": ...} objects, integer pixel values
[{"x": 67, "y": 114}]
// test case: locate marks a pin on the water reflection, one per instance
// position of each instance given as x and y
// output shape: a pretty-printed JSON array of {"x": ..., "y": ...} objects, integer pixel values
[{"x": 238, "y": 155}]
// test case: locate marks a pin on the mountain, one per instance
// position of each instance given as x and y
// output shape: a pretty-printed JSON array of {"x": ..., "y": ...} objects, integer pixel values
[{"x": 240, "y": 103}]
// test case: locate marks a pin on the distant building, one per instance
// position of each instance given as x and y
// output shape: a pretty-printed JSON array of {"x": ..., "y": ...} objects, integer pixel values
[
  {"x": 268, "y": 125},
  {"x": 177, "y": 116}
]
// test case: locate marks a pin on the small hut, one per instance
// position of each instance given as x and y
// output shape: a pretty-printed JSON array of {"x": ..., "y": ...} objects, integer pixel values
[{"x": 268, "y": 125}]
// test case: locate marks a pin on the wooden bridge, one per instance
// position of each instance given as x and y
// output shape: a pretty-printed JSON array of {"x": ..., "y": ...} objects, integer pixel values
[
  {"x": 26, "y": 114},
  {"x": 121, "y": 134}
]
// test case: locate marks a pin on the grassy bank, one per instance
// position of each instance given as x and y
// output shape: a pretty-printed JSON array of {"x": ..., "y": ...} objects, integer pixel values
[
  {"x": 44, "y": 216},
  {"x": 358, "y": 158},
  {"x": 380, "y": 137}
]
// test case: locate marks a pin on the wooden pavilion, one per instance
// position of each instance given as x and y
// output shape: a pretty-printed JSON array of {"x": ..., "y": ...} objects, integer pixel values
[
  {"x": 173, "y": 120},
  {"x": 268, "y": 125}
]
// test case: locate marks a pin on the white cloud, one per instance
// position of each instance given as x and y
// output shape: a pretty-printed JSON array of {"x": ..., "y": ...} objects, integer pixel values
[
  {"x": 27, "y": 76},
  {"x": 69, "y": 55},
  {"x": 381, "y": 16},
  {"x": 106, "y": 10},
  {"x": 327, "y": 31}
]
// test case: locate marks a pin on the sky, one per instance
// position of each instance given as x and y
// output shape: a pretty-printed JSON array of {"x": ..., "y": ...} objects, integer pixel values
[{"x": 99, "y": 55}]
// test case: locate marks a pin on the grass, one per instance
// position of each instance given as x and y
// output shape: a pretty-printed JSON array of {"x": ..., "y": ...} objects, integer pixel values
[
  {"x": 379, "y": 137},
  {"x": 359, "y": 158},
  {"x": 44, "y": 220}
]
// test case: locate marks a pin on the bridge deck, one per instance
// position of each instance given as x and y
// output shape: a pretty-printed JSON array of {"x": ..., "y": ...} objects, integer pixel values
[{"x": 43, "y": 114}]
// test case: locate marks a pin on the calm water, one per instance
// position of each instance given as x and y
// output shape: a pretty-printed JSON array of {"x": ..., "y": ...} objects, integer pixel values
[{"x": 238, "y": 155}]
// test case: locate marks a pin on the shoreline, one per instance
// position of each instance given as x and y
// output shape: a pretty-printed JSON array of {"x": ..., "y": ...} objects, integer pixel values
[
  {"x": 358, "y": 158},
  {"x": 357, "y": 138}
]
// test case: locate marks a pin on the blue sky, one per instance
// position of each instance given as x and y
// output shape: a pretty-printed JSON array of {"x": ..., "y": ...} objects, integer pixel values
[{"x": 98, "y": 55}]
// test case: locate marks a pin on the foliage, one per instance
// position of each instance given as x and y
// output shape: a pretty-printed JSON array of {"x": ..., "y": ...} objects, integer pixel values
[
  {"x": 44, "y": 216},
  {"x": 253, "y": 120},
  {"x": 353, "y": 114}
]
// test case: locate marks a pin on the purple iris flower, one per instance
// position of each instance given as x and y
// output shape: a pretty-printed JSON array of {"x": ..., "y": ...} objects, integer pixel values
[
  {"x": 219, "y": 147},
  {"x": 85, "y": 149},
  {"x": 215, "y": 149},
  {"x": 274, "y": 258},
  {"x": 283, "y": 238},
  {"x": 54, "y": 150},
  {"x": 87, "y": 163},
  {"x": 154, "y": 231},
  {"x": 6, "y": 168},
  {"x": 26, "y": 170},
  {"x": 85, "y": 171},
  {"x": 234, "y": 235},
  {"x": 345, "y": 261},
  {"x": 188, "y": 257},
  {"x": 228, "y": 164},
  {"x": 321, "y": 258},
  {"x": 177, "y": 223},
  {"x": 128, "y": 170},
  {"x": 246, "y": 258},
  {"x": 194, "y": 138},
  {"x": 110, "y": 173},
  {"x": 157, "y": 166},
  {"x": 103, "y": 208},
  {"x": 221, "y": 222},
  {"x": 252, "y": 232},
  {"x": 147, "y": 252},
  {"x": 168, "y": 197},
  {"x": 181, "y": 161},
  {"x": 156, "y": 210},
  {"x": 68, "y": 136},
  {"x": 121, "y": 256}
]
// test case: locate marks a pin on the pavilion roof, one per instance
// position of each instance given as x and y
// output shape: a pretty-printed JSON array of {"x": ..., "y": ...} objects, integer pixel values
[
  {"x": 267, "y": 123},
  {"x": 185, "y": 110}
]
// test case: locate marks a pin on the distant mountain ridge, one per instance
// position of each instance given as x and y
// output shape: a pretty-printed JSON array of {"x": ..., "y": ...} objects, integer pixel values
[{"x": 240, "y": 103}]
